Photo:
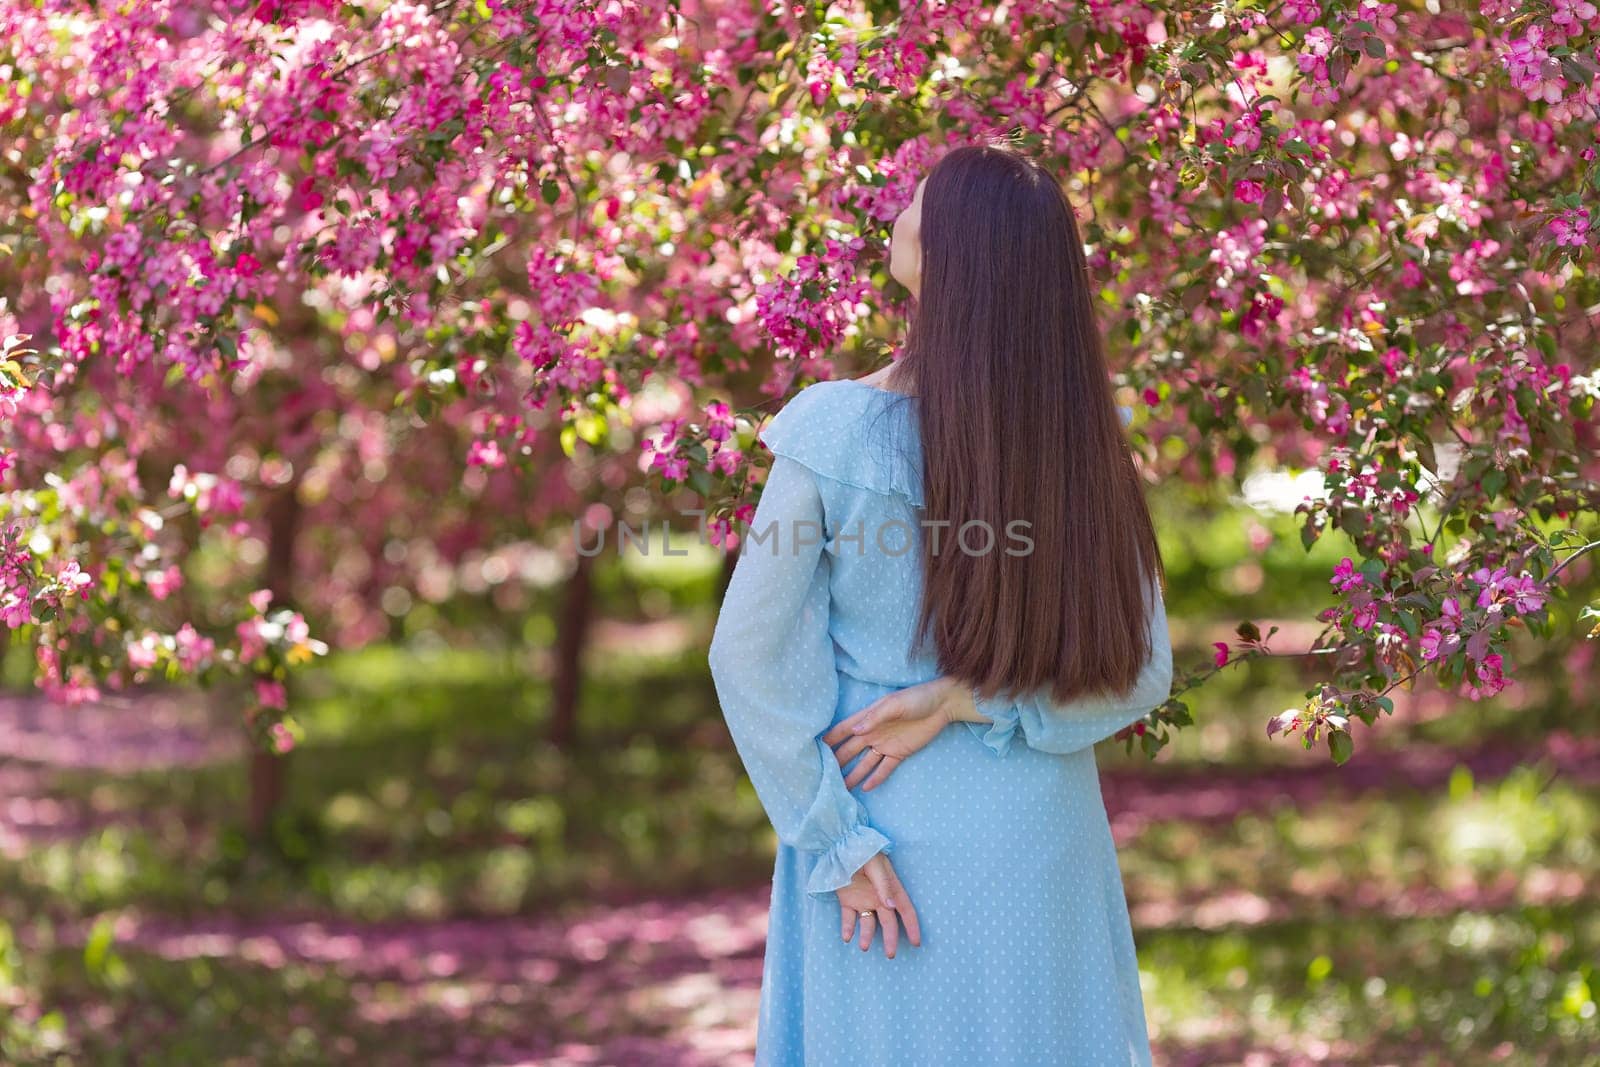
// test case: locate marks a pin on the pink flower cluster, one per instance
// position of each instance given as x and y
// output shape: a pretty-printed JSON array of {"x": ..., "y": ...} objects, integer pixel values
[
  {"x": 208, "y": 493},
  {"x": 1536, "y": 70},
  {"x": 1572, "y": 227},
  {"x": 664, "y": 450},
  {"x": 812, "y": 309},
  {"x": 1317, "y": 49},
  {"x": 16, "y": 579},
  {"x": 1500, "y": 596},
  {"x": 720, "y": 426}
]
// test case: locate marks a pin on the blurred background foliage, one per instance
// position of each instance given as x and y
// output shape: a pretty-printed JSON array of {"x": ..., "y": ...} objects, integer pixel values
[{"x": 1432, "y": 901}]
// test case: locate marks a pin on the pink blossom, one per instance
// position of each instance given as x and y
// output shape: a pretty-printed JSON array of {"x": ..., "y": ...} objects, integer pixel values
[
  {"x": 1490, "y": 678},
  {"x": 252, "y": 642},
  {"x": 1571, "y": 227},
  {"x": 194, "y": 651},
  {"x": 1438, "y": 641},
  {"x": 270, "y": 693},
  {"x": 163, "y": 583},
  {"x": 1532, "y": 68},
  {"x": 74, "y": 580},
  {"x": 1304, "y": 12},
  {"x": 1573, "y": 16},
  {"x": 1345, "y": 576},
  {"x": 485, "y": 454},
  {"x": 145, "y": 652},
  {"x": 1379, "y": 14},
  {"x": 719, "y": 421}
]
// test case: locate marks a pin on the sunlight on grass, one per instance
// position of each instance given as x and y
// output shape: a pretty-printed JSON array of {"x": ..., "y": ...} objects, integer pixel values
[
  {"x": 1379, "y": 987},
  {"x": 1511, "y": 823}
]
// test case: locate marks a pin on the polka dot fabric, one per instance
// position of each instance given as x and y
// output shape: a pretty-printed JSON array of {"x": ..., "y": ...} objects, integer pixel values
[{"x": 998, "y": 831}]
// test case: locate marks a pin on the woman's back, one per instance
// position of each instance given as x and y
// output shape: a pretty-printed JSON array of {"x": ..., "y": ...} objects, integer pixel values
[
  {"x": 861, "y": 445},
  {"x": 997, "y": 831}
]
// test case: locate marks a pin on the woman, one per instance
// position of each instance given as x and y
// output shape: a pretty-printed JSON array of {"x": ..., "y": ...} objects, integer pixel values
[{"x": 950, "y": 591}]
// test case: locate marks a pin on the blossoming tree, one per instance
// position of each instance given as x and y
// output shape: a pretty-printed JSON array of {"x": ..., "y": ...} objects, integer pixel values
[{"x": 506, "y": 237}]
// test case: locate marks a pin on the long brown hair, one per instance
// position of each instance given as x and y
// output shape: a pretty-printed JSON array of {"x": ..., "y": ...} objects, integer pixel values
[{"x": 1019, "y": 422}]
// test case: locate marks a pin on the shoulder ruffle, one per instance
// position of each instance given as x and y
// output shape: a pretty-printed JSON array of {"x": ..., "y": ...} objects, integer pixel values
[{"x": 854, "y": 434}]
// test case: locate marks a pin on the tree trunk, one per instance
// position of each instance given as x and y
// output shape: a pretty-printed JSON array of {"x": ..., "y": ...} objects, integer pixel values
[
  {"x": 572, "y": 636},
  {"x": 269, "y": 770}
]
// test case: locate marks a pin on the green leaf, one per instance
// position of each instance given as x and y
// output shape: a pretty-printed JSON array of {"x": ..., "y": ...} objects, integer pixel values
[
  {"x": 97, "y": 949},
  {"x": 1340, "y": 745},
  {"x": 1577, "y": 73},
  {"x": 550, "y": 191}
]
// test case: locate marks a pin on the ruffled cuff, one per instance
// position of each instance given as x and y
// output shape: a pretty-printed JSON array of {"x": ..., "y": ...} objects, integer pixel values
[
  {"x": 999, "y": 733},
  {"x": 848, "y": 855}
]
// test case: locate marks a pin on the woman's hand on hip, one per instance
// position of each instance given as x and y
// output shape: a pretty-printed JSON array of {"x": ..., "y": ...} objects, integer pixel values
[
  {"x": 890, "y": 729},
  {"x": 876, "y": 898}
]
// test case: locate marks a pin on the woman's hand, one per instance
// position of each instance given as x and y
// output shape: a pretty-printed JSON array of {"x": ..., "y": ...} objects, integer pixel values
[
  {"x": 875, "y": 897},
  {"x": 892, "y": 727}
]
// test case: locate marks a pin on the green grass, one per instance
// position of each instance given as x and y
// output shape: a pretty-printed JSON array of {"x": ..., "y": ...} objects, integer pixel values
[
  {"x": 1385, "y": 922},
  {"x": 1472, "y": 987},
  {"x": 129, "y": 1007}
]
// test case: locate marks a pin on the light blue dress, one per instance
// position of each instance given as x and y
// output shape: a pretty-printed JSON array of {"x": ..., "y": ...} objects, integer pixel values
[{"x": 998, "y": 832}]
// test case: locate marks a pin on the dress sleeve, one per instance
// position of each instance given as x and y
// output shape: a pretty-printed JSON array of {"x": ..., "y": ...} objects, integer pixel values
[
  {"x": 1051, "y": 727},
  {"x": 772, "y": 661}
]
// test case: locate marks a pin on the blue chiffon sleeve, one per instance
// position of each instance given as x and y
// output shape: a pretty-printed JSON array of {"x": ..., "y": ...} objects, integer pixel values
[
  {"x": 772, "y": 661},
  {"x": 1048, "y": 726}
]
